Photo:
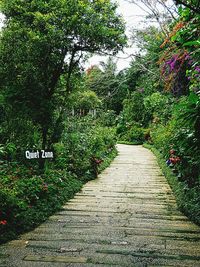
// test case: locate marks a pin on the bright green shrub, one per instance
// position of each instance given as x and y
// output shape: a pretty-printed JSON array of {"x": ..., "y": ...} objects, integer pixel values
[
  {"x": 161, "y": 136},
  {"x": 134, "y": 135},
  {"x": 158, "y": 106}
]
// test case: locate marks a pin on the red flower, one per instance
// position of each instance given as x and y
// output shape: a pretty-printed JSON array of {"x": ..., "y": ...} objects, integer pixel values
[
  {"x": 98, "y": 161},
  {"x": 174, "y": 160},
  {"x": 4, "y": 222}
]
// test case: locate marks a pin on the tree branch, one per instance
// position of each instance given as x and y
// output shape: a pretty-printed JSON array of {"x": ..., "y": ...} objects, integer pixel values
[{"x": 194, "y": 9}]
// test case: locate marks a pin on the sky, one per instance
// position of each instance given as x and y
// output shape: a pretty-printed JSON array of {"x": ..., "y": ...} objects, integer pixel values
[{"x": 134, "y": 18}]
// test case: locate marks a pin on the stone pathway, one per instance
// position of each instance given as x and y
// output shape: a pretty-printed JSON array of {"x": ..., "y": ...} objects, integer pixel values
[{"x": 127, "y": 217}]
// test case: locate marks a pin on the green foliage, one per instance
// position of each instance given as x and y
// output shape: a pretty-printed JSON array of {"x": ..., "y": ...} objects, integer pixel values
[
  {"x": 134, "y": 135},
  {"x": 108, "y": 85},
  {"x": 25, "y": 202},
  {"x": 187, "y": 139},
  {"x": 134, "y": 108},
  {"x": 84, "y": 100},
  {"x": 41, "y": 43},
  {"x": 158, "y": 106},
  {"x": 188, "y": 199},
  {"x": 28, "y": 197},
  {"x": 182, "y": 133},
  {"x": 161, "y": 136},
  {"x": 82, "y": 140},
  {"x": 108, "y": 118}
]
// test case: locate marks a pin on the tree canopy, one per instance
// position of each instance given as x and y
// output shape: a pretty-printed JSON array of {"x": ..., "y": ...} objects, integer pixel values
[{"x": 42, "y": 40}]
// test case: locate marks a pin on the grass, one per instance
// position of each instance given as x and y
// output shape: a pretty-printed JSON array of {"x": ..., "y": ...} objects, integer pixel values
[{"x": 188, "y": 199}]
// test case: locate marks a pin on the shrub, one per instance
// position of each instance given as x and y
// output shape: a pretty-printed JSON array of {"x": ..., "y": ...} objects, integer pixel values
[
  {"x": 81, "y": 143},
  {"x": 28, "y": 201},
  {"x": 182, "y": 134},
  {"x": 135, "y": 135},
  {"x": 108, "y": 118},
  {"x": 188, "y": 199},
  {"x": 161, "y": 136},
  {"x": 28, "y": 196}
]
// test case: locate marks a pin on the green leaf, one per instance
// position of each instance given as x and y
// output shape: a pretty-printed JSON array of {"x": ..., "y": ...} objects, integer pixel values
[{"x": 192, "y": 43}]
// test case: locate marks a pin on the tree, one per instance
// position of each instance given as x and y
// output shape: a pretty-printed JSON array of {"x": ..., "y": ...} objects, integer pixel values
[
  {"x": 43, "y": 40},
  {"x": 84, "y": 101},
  {"x": 160, "y": 11},
  {"x": 108, "y": 85}
]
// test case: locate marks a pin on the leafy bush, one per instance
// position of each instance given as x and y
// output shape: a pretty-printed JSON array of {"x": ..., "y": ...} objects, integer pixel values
[
  {"x": 188, "y": 199},
  {"x": 28, "y": 201},
  {"x": 182, "y": 134},
  {"x": 108, "y": 118},
  {"x": 135, "y": 135},
  {"x": 82, "y": 141},
  {"x": 28, "y": 196},
  {"x": 161, "y": 136},
  {"x": 158, "y": 106}
]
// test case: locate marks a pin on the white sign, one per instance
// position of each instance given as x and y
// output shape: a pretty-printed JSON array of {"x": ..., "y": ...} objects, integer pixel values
[{"x": 39, "y": 154}]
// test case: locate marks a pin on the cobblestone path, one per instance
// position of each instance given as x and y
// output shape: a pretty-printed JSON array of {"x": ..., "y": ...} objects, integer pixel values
[{"x": 127, "y": 217}]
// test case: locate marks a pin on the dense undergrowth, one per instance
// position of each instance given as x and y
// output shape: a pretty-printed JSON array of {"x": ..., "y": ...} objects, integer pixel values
[
  {"x": 28, "y": 196},
  {"x": 188, "y": 199}
]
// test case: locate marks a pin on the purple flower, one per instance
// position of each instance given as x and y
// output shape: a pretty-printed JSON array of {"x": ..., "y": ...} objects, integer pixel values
[
  {"x": 190, "y": 62},
  {"x": 172, "y": 62},
  {"x": 197, "y": 69},
  {"x": 187, "y": 57},
  {"x": 168, "y": 162}
]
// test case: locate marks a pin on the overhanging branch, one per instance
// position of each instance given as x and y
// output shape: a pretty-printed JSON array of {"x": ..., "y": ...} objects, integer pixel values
[{"x": 193, "y": 8}]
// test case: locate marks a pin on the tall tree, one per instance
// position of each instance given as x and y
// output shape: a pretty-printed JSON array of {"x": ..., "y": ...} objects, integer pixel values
[
  {"x": 42, "y": 40},
  {"x": 108, "y": 84}
]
